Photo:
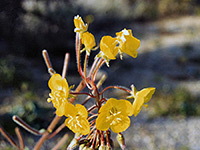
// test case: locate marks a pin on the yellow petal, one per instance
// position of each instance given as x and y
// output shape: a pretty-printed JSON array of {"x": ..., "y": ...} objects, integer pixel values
[
  {"x": 65, "y": 108},
  {"x": 146, "y": 93},
  {"x": 142, "y": 97},
  {"x": 127, "y": 43},
  {"x": 123, "y": 106},
  {"x": 57, "y": 83},
  {"x": 137, "y": 105},
  {"x": 81, "y": 110},
  {"x": 108, "y": 46},
  {"x": 130, "y": 46},
  {"x": 103, "y": 122},
  {"x": 122, "y": 124},
  {"x": 85, "y": 126},
  {"x": 71, "y": 123},
  {"x": 70, "y": 110},
  {"x": 88, "y": 40},
  {"x": 79, "y": 24},
  {"x": 78, "y": 124},
  {"x": 108, "y": 105},
  {"x": 60, "y": 111}
]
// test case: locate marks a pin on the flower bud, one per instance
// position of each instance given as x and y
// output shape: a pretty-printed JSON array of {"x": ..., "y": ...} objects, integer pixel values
[
  {"x": 121, "y": 141},
  {"x": 102, "y": 147},
  {"x": 73, "y": 144}
]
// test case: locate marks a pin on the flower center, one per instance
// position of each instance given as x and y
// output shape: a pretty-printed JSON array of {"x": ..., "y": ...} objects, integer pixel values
[{"x": 114, "y": 111}]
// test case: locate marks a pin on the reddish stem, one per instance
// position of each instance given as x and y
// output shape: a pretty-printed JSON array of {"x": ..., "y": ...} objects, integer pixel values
[
  {"x": 49, "y": 130},
  {"x": 115, "y": 87},
  {"x": 62, "y": 126},
  {"x": 24, "y": 125},
  {"x": 102, "y": 138},
  {"x": 107, "y": 138},
  {"x": 66, "y": 62},
  {"x": 12, "y": 142},
  {"x": 98, "y": 66},
  {"x": 79, "y": 88},
  {"x": 93, "y": 66},
  {"x": 82, "y": 93},
  {"x": 78, "y": 58},
  {"x": 19, "y": 136}
]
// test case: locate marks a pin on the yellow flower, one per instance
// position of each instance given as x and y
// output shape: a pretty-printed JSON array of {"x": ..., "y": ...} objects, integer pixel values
[
  {"x": 114, "y": 114},
  {"x": 89, "y": 41},
  {"x": 127, "y": 43},
  {"x": 79, "y": 25},
  {"x": 108, "y": 47},
  {"x": 59, "y": 93},
  {"x": 77, "y": 119},
  {"x": 141, "y": 98}
]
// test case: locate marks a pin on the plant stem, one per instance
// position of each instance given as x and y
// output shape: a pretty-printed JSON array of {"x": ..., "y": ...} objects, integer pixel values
[
  {"x": 82, "y": 93},
  {"x": 10, "y": 140},
  {"x": 19, "y": 136},
  {"x": 108, "y": 139},
  {"x": 102, "y": 138},
  {"x": 57, "y": 131},
  {"x": 103, "y": 78},
  {"x": 93, "y": 66},
  {"x": 115, "y": 87},
  {"x": 85, "y": 65},
  {"x": 49, "y": 130},
  {"x": 78, "y": 55},
  {"x": 92, "y": 116},
  {"x": 48, "y": 62},
  {"x": 98, "y": 66},
  {"x": 61, "y": 142},
  {"x": 94, "y": 140},
  {"x": 66, "y": 62},
  {"x": 24, "y": 125},
  {"x": 79, "y": 88}
]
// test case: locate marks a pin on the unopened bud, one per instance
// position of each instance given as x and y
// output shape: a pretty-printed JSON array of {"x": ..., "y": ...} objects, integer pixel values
[
  {"x": 121, "y": 141},
  {"x": 85, "y": 148},
  {"x": 108, "y": 147},
  {"x": 81, "y": 146},
  {"x": 102, "y": 147},
  {"x": 73, "y": 144}
]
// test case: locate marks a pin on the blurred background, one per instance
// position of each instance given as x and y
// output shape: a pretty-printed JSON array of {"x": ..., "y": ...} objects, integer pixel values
[{"x": 168, "y": 59}]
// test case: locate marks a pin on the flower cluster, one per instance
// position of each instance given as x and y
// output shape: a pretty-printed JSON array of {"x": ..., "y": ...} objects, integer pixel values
[{"x": 106, "y": 114}]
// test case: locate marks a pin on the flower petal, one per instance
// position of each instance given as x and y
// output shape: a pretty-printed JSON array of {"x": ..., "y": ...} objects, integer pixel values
[
  {"x": 79, "y": 24},
  {"x": 108, "y": 46},
  {"x": 102, "y": 122},
  {"x": 70, "y": 110},
  {"x": 88, "y": 40},
  {"x": 137, "y": 105},
  {"x": 147, "y": 93},
  {"x": 57, "y": 83},
  {"x": 82, "y": 111},
  {"x": 108, "y": 105},
  {"x": 60, "y": 111},
  {"x": 122, "y": 125},
  {"x": 85, "y": 126},
  {"x": 123, "y": 106},
  {"x": 130, "y": 46},
  {"x": 127, "y": 43},
  {"x": 78, "y": 124}
]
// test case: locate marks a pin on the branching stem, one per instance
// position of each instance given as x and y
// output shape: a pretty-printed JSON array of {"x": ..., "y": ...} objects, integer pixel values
[{"x": 115, "y": 87}]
